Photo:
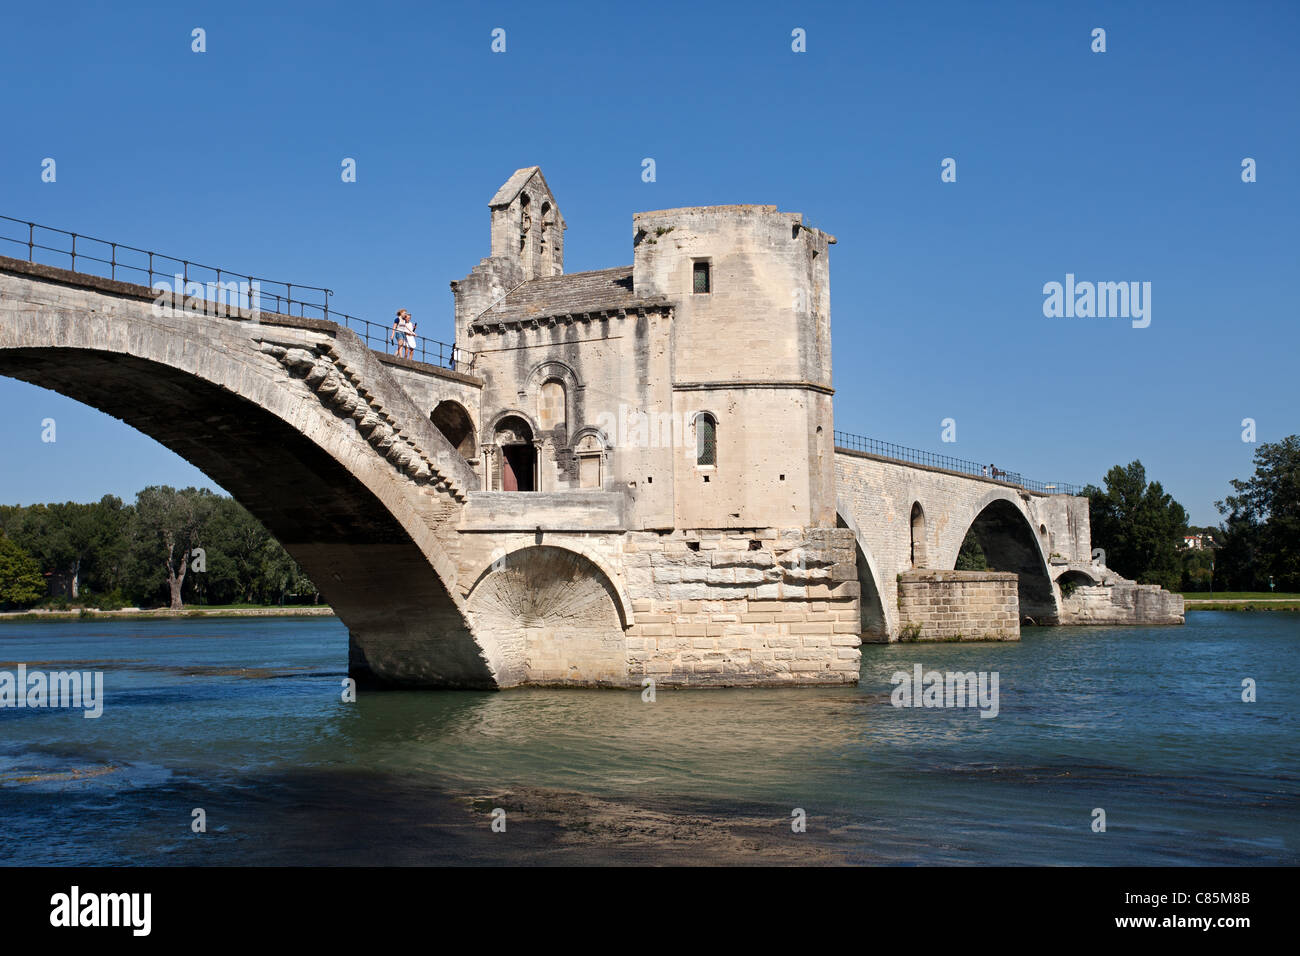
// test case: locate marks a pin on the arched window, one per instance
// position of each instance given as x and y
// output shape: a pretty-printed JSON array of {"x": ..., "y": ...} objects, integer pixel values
[
  {"x": 706, "y": 439},
  {"x": 550, "y": 412},
  {"x": 918, "y": 536}
]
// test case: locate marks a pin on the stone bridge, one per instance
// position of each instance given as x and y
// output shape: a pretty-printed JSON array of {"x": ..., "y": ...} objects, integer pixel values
[
  {"x": 305, "y": 426},
  {"x": 907, "y": 516},
  {"x": 762, "y": 555}
]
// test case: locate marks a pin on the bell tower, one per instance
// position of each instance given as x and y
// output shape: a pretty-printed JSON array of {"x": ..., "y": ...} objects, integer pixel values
[
  {"x": 527, "y": 243},
  {"x": 527, "y": 226}
]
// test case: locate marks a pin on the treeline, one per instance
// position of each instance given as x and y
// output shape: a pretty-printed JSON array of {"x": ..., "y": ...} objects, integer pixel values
[
  {"x": 1261, "y": 528},
  {"x": 170, "y": 547},
  {"x": 1141, "y": 528}
]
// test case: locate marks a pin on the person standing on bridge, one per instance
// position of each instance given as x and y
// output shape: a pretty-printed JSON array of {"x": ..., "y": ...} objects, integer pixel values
[
  {"x": 395, "y": 335},
  {"x": 410, "y": 336},
  {"x": 404, "y": 329}
]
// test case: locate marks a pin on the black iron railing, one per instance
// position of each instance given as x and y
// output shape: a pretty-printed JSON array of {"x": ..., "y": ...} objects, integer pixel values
[
  {"x": 46, "y": 245},
  {"x": 914, "y": 456}
]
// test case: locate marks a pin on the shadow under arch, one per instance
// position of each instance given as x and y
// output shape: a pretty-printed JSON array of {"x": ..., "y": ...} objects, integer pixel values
[
  {"x": 1078, "y": 577},
  {"x": 1010, "y": 542},
  {"x": 877, "y": 622},
  {"x": 351, "y": 535}
]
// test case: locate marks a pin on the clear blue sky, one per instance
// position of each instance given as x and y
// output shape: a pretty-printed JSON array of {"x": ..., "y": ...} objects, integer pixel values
[{"x": 1118, "y": 166}]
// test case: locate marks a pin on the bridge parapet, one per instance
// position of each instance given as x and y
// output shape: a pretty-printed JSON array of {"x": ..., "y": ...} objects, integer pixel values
[
  {"x": 127, "y": 265},
  {"x": 846, "y": 441}
]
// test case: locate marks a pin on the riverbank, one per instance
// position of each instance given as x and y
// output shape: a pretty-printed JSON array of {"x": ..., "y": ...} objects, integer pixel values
[
  {"x": 1241, "y": 601},
  {"x": 141, "y": 614},
  {"x": 1279, "y": 604}
]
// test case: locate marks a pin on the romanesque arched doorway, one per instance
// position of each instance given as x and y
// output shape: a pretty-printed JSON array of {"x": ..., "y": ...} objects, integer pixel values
[{"x": 516, "y": 459}]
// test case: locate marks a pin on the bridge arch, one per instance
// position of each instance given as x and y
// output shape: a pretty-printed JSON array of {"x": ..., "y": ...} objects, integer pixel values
[
  {"x": 355, "y": 483},
  {"x": 879, "y": 620},
  {"x": 1011, "y": 541},
  {"x": 456, "y": 424},
  {"x": 558, "y": 616}
]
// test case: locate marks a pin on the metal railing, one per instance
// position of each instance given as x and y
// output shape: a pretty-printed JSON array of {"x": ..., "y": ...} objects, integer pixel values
[
  {"x": 914, "y": 456},
  {"x": 86, "y": 255}
]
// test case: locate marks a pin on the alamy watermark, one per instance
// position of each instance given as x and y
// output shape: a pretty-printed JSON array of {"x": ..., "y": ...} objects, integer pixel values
[
  {"x": 631, "y": 427},
  {"x": 61, "y": 689},
  {"x": 951, "y": 689},
  {"x": 74, "y": 909},
  {"x": 1101, "y": 300},
  {"x": 210, "y": 298}
]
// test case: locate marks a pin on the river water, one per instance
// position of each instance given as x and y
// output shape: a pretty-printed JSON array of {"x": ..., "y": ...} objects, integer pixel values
[{"x": 244, "y": 720}]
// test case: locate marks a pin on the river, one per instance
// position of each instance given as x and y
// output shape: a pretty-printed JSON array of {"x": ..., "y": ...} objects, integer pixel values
[{"x": 244, "y": 721}]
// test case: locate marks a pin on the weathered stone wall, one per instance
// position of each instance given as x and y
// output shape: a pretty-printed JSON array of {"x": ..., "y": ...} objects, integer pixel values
[
  {"x": 428, "y": 387},
  {"x": 959, "y": 606},
  {"x": 1122, "y": 603},
  {"x": 734, "y": 608},
  {"x": 688, "y": 607},
  {"x": 615, "y": 372},
  {"x": 754, "y": 351}
]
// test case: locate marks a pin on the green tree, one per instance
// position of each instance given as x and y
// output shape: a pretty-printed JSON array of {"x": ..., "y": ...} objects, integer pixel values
[
  {"x": 971, "y": 556},
  {"x": 1261, "y": 530},
  {"x": 167, "y": 528},
  {"x": 21, "y": 580},
  {"x": 148, "y": 552},
  {"x": 1139, "y": 526},
  {"x": 78, "y": 541},
  {"x": 1197, "y": 565}
]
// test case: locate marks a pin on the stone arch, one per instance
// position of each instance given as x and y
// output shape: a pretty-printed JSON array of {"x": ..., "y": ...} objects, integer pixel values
[
  {"x": 917, "y": 527},
  {"x": 514, "y": 447},
  {"x": 268, "y": 412},
  {"x": 622, "y": 600},
  {"x": 493, "y": 423},
  {"x": 553, "y": 370},
  {"x": 878, "y": 620},
  {"x": 558, "y": 617},
  {"x": 453, "y": 420},
  {"x": 1011, "y": 542},
  {"x": 1078, "y": 577},
  {"x": 591, "y": 450},
  {"x": 596, "y": 432}
]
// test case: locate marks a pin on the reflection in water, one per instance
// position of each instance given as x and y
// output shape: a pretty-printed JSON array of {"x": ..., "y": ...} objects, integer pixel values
[{"x": 245, "y": 719}]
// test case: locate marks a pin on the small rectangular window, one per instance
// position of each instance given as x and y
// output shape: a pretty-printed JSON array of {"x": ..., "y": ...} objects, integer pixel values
[{"x": 702, "y": 277}]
